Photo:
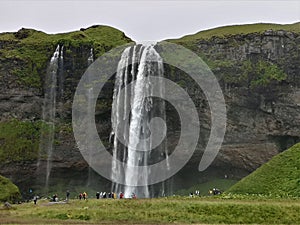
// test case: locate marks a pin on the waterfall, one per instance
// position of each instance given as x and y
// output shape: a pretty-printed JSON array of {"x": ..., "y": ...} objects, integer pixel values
[
  {"x": 90, "y": 60},
  {"x": 61, "y": 77},
  {"x": 48, "y": 114},
  {"x": 91, "y": 57},
  {"x": 137, "y": 63}
]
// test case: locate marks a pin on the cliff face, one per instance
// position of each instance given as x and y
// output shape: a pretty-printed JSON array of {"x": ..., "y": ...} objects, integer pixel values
[
  {"x": 24, "y": 60},
  {"x": 258, "y": 75},
  {"x": 257, "y": 72}
]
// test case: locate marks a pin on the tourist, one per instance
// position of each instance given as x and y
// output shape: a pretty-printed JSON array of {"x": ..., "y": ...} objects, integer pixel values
[
  {"x": 97, "y": 195},
  {"x": 121, "y": 195},
  {"x": 133, "y": 196},
  {"x": 104, "y": 195},
  {"x": 55, "y": 198},
  {"x": 80, "y": 196},
  {"x": 35, "y": 198},
  {"x": 84, "y": 195},
  {"x": 67, "y": 195}
]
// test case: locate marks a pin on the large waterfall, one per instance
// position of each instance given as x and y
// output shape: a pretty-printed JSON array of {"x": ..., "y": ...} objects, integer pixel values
[{"x": 132, "y": 112}]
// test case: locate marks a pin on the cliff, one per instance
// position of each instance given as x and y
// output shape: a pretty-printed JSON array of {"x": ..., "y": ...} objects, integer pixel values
[
  {"x": 24, "y": 60},
  {"x": 257, "y": 67}
]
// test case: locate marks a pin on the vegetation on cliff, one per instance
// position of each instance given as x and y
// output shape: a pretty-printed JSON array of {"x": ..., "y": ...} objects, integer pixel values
[
  {"x": 30, "y": 50},
  {"x": 8, "y": 191},
  {"x": 19, "y": 140},
  {"x": 278, "y": 177},
  {"x": 238, "y": 29},
  {"x": 241, "y": 56}
]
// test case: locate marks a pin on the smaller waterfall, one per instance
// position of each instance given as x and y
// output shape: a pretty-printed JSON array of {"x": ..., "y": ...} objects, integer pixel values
[
  {"x": 61, "y": 78},
  {"x": 49, "y": 111},
  {"x": 90, "y": 60},
  {"x": 91, "y": 57}
]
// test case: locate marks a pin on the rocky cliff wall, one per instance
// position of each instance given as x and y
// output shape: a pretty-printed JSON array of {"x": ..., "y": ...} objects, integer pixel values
[{"x": 258, "y": 74}]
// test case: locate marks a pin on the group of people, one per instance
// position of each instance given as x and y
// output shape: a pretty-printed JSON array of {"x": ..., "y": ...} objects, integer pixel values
[
  {"x": 83, "y": 196},
  {"x": 215, "y": 191},
  {"x": 113, "y": 195},
  {"x": 197, "y": 193}
]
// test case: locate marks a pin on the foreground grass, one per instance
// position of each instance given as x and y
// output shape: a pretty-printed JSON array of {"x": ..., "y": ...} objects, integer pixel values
[{"x": 181, "y": 210}]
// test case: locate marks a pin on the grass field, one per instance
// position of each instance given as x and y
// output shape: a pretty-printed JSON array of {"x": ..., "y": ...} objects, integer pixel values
[{"x": 175, "y": 210}]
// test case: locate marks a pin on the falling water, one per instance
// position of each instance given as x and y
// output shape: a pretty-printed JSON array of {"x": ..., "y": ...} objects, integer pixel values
[
  {"x": 90, "y": 60},
  {"x": 91, "y": 57},
  {"x": 137, "y": 63},
  {"x": 48, "y": 116},
  {"x": 61, "y": 77}
]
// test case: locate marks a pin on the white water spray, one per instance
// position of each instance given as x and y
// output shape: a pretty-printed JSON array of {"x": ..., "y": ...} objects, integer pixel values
[
  {"x": 49, "y": 112},
  {"x": 136, "y": 64}
]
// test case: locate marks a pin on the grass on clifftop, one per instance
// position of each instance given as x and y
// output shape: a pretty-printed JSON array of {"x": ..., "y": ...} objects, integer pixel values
[
  {"x": 238, "y": 29},
  {"x": 278, "y": 177},
  {"x": 31, "y": 50},
  {"x": 8, "y": 191}
]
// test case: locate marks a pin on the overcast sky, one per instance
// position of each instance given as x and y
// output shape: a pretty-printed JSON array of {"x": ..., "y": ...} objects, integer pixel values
[{"x": 143, "y": 20}]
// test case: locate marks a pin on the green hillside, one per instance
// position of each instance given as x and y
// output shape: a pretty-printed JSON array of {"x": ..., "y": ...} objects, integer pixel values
[
  {"x": 278, "y": 177},
  {"x": 238, "y": 29},
  {"x": 8, "y": 191}
]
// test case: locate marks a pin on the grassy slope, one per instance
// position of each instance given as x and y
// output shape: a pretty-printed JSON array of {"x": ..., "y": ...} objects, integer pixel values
[
  {"x": 157, "y": 211},
  {"x": 238, "y": 29},
  {"x": 278, "y": 177},
  {"x": 8, "y": 191}
]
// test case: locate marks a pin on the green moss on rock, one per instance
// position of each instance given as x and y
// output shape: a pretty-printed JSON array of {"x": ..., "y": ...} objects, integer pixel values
[
  {"x": 19, "y": 140},
  {"x": 8, "y": 191}
]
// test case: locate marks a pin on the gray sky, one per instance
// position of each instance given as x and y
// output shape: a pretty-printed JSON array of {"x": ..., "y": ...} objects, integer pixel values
[{"x": 143, "y": 20}]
